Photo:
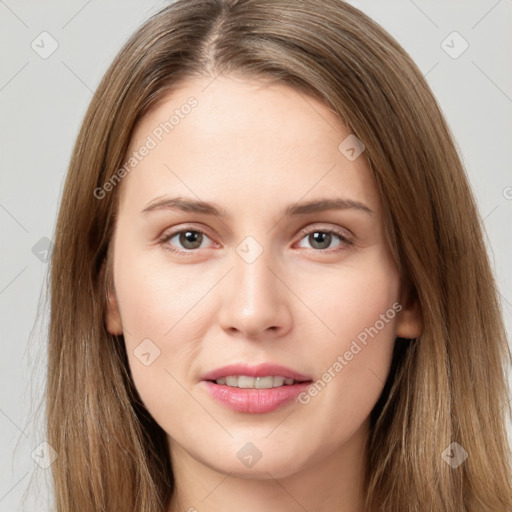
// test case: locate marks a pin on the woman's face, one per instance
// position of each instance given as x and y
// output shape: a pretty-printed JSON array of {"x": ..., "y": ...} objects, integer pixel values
[{"x": 285, "y": 265}]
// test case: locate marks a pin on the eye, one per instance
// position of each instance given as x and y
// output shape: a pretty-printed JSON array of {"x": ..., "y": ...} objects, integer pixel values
[
  {"x": 321, "y": 239},
  {"x": 189, "y": 239}
]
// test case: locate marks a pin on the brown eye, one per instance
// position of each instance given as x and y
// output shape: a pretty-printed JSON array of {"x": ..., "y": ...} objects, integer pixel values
[
  {"x": 183, "y": 241},
  {"x": 320, "y": 239},
  {"x": 190, "y": 239}
]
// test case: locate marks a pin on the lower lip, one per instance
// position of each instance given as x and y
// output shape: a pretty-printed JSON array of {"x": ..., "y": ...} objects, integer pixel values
[{"x": 255, "y": 400}]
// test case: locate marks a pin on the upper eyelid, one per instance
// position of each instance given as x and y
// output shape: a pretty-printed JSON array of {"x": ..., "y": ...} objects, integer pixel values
[
  {"x": 173, "y": 232},
  {"x": 309, "y": 230}
]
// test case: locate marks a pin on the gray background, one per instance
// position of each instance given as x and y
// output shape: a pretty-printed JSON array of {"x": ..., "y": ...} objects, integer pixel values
[{"x": 43, "y": 100}]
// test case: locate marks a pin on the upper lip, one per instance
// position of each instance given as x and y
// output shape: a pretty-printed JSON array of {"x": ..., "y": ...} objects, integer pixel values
[{"x": 260, "y": 370}]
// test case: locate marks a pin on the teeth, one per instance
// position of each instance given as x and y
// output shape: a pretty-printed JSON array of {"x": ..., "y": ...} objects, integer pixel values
[
  {"x": 232, "y": 381},
  {"x": 246, "y": 382}
]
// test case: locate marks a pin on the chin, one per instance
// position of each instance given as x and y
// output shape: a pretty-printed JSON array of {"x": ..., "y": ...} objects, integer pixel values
[{"x": 259, "y": 460}]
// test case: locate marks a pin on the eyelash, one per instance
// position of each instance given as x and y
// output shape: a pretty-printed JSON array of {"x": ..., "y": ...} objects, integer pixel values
[{"x": 342, "y": 237}]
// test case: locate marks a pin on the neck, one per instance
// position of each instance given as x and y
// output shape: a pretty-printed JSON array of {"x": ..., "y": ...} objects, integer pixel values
[{"x": 335, "y": 483}]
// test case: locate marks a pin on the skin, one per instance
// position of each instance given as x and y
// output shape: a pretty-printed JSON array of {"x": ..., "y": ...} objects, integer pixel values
[{"x": 253, "y": 149}]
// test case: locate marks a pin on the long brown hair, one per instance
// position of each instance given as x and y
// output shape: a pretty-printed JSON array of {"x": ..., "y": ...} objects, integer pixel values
[{"x": 449, "y": 385}]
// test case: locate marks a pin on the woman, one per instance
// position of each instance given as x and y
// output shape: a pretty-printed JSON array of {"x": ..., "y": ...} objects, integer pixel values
[{"x": 269, "y": 285}]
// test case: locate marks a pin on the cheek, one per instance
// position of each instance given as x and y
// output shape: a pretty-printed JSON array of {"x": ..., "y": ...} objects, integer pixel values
[
  {"x": 164, "y": 310},
  {"x": 353, "y": 361},
  {"x": 158, "y": 300},
  {"x": 366, "y": 308},
  {"x": 350, "y": 299}
]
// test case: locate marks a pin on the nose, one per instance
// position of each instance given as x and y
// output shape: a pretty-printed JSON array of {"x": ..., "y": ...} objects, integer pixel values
[{"x": 255, "y": 299}]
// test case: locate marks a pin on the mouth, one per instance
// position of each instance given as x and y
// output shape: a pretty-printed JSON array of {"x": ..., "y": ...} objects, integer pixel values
[{"x": 255, "y": 389}]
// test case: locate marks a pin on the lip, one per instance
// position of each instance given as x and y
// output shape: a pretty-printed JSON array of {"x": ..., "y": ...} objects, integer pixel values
[
  {"x": 260, "y": 370},
  {"x": 255, "y": 401}
]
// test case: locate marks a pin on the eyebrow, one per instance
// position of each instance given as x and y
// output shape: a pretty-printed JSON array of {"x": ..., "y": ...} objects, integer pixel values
[{"x": 207, "y": 208}]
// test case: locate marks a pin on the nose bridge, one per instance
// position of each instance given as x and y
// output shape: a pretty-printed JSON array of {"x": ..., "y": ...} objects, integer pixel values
[
  {"x": 255, "y": 301},
  {"x": 252, "y": 275}
]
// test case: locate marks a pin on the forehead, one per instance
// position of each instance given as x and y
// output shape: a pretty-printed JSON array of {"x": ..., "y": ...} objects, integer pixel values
[{"x": 231, "y": 136}]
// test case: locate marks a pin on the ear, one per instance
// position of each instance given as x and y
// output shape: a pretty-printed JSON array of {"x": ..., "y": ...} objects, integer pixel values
[
  {"x": 112, "y": 316},
  {"x": 409, "y": 324}
]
